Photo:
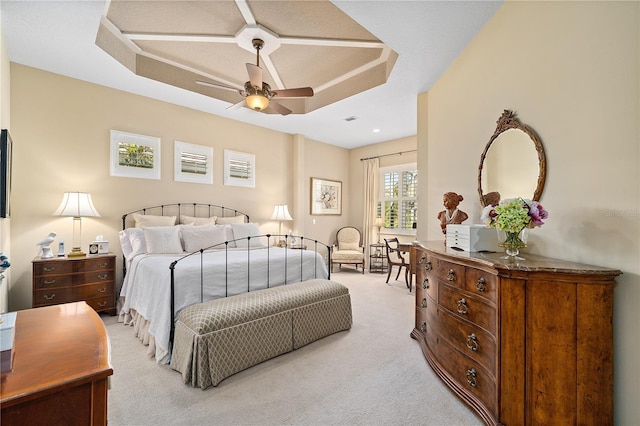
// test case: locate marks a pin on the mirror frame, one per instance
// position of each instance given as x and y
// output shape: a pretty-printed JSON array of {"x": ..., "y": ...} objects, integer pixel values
[{"x": 507, "y": 121}]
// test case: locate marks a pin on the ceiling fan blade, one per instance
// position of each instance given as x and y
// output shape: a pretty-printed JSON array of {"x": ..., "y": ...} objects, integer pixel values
[
  {"x": 255, "y": 75},
  {"x": 237, "y": 106},
  {"x": 300, "y": 92},
  {"x": 216, "y": 85},
  {"x": 280, "y": 109}
]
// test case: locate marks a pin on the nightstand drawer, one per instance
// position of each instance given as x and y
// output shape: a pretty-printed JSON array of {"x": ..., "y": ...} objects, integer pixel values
[
  {"x": 53, "y": 296},
  {"x": 54, "y": 281},
  {"x": 102, "y": 303},
  {"x": 52, "y": 267},
  {"x": 94, "y": 290}
]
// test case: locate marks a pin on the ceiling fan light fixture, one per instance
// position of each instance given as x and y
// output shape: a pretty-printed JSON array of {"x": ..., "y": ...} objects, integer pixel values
[{"x": 257, "y": 102}]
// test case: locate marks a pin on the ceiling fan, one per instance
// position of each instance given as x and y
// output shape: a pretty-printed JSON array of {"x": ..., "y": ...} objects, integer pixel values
[{"x": 257, "y": 94}]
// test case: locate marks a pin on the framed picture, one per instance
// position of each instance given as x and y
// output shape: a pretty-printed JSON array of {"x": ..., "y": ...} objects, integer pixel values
[
  {"x": 326, "y": 196},
  {"x": 239, "y": 169},
  {"x": 192, "y": 163},
  {"x": 6, "y": 148},
  {"x": 135, "y": 156}
]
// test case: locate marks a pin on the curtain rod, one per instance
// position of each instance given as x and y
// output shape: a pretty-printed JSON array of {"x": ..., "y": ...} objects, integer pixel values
[{"x": 388, "y": 155}]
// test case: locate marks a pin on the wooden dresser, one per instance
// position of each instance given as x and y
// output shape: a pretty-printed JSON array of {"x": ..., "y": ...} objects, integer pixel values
[
  {"x": 62, "y": 280},
  {"x": 526, "y": 343},
  {"x": 60, "y": 369}
]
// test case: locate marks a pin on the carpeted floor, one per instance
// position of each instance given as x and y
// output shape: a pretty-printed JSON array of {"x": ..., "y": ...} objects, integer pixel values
[{"x": 373, "y": 374}]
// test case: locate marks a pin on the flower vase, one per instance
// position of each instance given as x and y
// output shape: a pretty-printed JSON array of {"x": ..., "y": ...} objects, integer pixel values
[{"x": 513, "y": 242}]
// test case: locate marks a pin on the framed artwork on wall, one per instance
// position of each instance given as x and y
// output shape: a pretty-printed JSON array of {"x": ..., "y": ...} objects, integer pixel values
[
  {"x": 135, "y": 156},
  {"x": 6, "y": 148},
  {"x": 192, "y": 163},
  {"x": 239, "y": 169},
  {"x": 326, "y": 196}
]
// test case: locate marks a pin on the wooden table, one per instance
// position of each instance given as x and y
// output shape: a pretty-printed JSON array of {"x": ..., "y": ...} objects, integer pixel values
[{"x": 60, "y": 369}]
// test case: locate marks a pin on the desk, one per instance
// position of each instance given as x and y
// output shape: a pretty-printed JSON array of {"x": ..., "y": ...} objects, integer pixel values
[
  {"x": 411, "y": 249},
  {"x": 60, "y": 369}
]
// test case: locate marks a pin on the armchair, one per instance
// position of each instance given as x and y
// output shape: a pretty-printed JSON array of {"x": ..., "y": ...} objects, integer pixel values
[{"x": 348, "y": 248}]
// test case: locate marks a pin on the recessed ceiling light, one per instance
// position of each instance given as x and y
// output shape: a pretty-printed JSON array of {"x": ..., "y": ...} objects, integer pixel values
[{"x": 376, "y": 130}]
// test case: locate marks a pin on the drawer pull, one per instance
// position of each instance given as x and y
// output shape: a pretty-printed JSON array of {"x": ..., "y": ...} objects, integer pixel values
[
  {"x": 472, "y": 377},
  {"x": 422, "y": 259},
  {"x": 102, "y": 304},
  {"x": 425, "y": 283},
  {"x": 481, "y": 285},
  {"x": 424, "y": 303},
  {"x": 49, "y": 281},
  {"x": 103, "y": 265},
  {"x": 451, "y": 276},
  {"x": 102, "y": 290},
  {"x": 49, "y": 269},
  {"x": 47, "y": 297},
  {"x": 423, "y": 326},
  {"x": 103, "y": 277},
  {"x": 472, "y": 342},
  {"x": 462, "y": 306},
  {"x": 427, "y": 266}
]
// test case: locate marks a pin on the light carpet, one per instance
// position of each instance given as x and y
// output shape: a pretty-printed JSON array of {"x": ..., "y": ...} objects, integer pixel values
[{"x": 373, "y": 374}]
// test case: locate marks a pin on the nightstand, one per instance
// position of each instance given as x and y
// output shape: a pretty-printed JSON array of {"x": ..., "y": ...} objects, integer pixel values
[
  {"x": 62, "y": 280},
  {"x": 378, "y": 258}
]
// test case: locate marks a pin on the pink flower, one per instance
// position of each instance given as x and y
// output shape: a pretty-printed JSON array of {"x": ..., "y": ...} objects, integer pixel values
[{"x": 537, "y": 213}]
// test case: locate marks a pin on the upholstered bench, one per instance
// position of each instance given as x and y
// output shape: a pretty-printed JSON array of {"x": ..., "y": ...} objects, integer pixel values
[{"x": 216, "y": 339}]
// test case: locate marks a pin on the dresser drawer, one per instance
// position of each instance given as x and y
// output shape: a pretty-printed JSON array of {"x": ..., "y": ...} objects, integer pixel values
[
  {"x": 451, "y": 273},
  {"x": 102, "y": 303},
  {"x": 471, "y": 376},
  {"x": 468, "y": 307},
  {"x": 472, "y": 341},
  {"x": 52, "y": 267},
  {"x": 481, "y": 283},
  {"x": 94, "y": 290},
  {"x": 54, "y": 281},
  {"x": 53, "y": 296},
  {"x": 421, "y": 320}
]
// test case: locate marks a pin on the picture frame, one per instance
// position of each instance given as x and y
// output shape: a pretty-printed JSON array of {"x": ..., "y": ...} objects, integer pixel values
[
  {"x": 326, "y": 197},
  {"x": 239, "y": 169},
  {"x": 192, "y": 163},
  {"x": 134, "y": 156},
  {"x": 6, "y": 153}
]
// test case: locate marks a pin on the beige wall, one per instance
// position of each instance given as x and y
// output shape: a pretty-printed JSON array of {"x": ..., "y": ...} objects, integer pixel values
[
  {"x": 571, "y": 72},
  {"x": 61, "y": 136},
  {"x": 5, "y": 224}
]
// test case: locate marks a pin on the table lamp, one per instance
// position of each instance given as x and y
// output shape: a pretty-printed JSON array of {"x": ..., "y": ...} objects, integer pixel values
[
  {"x": 77, "y": 205},
  {"x": 281, "y": 212},
  {"x": 379, "y": 223}
]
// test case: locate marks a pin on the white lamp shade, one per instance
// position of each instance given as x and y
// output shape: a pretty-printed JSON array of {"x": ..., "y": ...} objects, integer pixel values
[
  {"x": 281, "y": 212},
  {"x": 379, "y": 223},
  {"x": 76, "y": 204}
]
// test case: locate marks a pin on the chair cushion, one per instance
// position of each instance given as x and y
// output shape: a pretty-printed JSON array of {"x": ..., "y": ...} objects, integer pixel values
[{"x": 344, "y": 256}]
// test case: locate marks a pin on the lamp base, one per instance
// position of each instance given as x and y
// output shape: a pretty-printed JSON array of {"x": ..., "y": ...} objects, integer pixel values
[{"x": 76, "y": 252}]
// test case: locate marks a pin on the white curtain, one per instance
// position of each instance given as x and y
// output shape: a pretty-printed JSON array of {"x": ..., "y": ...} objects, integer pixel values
[{"x": 371, "y": 171}]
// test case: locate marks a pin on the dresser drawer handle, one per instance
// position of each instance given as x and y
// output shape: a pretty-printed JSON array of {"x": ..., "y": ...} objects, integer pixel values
[
  {"x": 423, "y": 326},
  {"x": 425, "y": 283},
  {"x": 427, "y": 266},
  {"x": 472, "y": 342},
  {"x": 103, "y": 265},
  {"x": 47, "y": 297},
  {"x": 102, "y": 305},
  {"x": 472, "y": 377},
  {"x": 462, "y": 306},
  {"x": 49, "y": 281},
  {"x": 103, "y": 277},
  {"x": 49, "y": 269},
  {"x": 451, "y": 276},
  {"x": 481, "y": 285},
  {"x": 422, "y": 259},
  {"x": 424, "y": 303},
  {"x": 102, "y": 290}
]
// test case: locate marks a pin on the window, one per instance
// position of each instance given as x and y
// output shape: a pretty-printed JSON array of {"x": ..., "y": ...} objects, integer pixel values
[{"x": 398, "y": 203}]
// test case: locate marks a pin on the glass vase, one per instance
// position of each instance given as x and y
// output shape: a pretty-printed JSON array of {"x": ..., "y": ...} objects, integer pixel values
[{"x": 513, "y": 242}]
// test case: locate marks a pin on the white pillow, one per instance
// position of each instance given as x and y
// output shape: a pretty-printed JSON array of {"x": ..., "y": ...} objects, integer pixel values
[
  {"x": 190, "y": 220},
  {"x": 150, "y": 220},
  {"x": 244, "y": 230},
  {"x": 163, "y": 239},
  {"x": 136, "y": 239},
  {"x": 230, "y": 219},
  {"x": 125, "y": 243},
  {"x": 199, "y": 237},
  {"x": 229, "y": 230}
]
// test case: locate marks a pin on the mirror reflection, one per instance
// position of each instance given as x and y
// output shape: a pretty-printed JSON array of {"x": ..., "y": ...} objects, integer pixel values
[{"x": 513, "y": 163}]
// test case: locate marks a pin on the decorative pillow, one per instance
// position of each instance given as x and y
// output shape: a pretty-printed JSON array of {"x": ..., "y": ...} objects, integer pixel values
[
  {"x": 125, "y": 243},
  {"x": 136, "y": 239},
  {"x": 244, "y": 230},
  {"x": 230, "y": 219},
  {"x": 163, "y": 239},
  {"x": 199, "y": 237},
  {"x": 150, "y": 220},
  {"x": 197, "y": 221},
  {"x": 230, "y": 237}
]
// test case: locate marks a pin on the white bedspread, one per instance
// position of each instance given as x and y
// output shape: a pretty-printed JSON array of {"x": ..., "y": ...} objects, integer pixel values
[{"x": 146, "y": 289}]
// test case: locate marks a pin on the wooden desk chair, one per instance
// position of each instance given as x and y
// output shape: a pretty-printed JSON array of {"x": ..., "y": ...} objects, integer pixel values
[{"x": 395, "y": 258}]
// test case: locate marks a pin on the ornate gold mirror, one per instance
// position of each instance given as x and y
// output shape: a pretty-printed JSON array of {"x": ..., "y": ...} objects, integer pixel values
[{"x": 513, "y": 163}]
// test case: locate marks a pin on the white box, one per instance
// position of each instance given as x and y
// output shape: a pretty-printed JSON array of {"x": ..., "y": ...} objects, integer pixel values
[{"x": 472, "y": 238}]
